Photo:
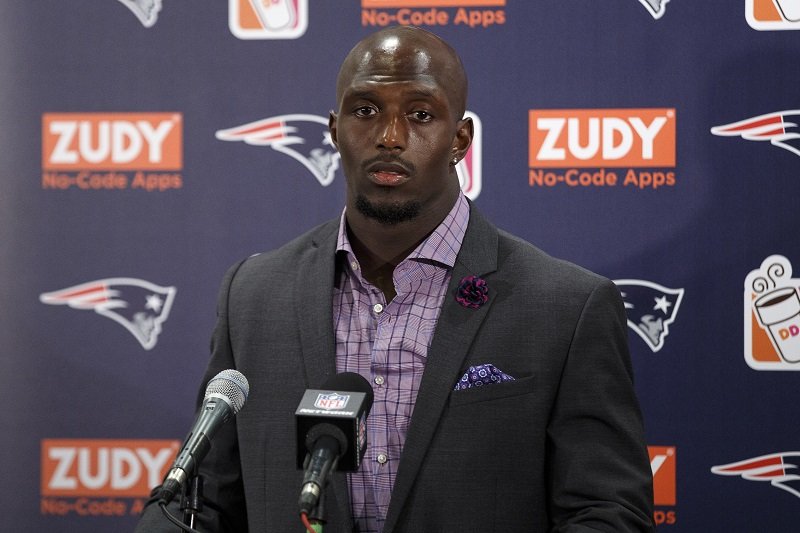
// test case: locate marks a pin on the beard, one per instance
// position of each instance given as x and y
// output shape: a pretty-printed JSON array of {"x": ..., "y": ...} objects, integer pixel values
[{"x": 388, "y": 214}]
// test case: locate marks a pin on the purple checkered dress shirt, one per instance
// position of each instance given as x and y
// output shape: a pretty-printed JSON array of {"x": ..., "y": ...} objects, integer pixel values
[{"x": 387, "y": 343}]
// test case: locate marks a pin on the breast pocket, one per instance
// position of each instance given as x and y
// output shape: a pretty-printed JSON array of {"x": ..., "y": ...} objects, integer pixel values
[{"x": 495, "y": 391}]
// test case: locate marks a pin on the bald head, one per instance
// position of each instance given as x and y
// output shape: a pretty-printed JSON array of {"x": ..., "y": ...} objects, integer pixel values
[{"x": 406, "y": 51}]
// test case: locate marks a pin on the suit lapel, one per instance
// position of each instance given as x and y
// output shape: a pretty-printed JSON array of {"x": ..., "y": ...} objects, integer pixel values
[
  {"x": 455, "y": 330},
  {"x": 314, "y": 283},
  {"x": 313, "y": 306}
]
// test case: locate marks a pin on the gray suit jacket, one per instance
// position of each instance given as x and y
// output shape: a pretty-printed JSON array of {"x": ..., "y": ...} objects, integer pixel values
[{"x": 561, "y": 448}]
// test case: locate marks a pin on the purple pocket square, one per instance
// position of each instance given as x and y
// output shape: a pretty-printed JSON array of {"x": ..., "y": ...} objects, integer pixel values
[{"x": 478, "y": 376}]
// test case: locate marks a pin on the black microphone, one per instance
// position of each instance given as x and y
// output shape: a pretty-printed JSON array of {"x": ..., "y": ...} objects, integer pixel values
[
  {"x": 225, "y": 396},
  {"x": 331, "y": 432}
]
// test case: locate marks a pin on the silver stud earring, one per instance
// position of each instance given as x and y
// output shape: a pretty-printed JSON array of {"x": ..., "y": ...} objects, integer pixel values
[{"x": 455, "y": 160}]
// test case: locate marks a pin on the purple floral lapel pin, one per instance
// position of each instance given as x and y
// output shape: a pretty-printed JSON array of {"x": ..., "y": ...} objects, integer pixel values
[{"x": 472, "y": 292}]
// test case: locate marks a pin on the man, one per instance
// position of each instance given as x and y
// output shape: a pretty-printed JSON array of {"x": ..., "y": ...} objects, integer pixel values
[{"x": 502, "y": 380}]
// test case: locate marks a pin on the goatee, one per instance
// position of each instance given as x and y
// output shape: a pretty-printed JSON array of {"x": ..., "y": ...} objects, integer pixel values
[{"x": 388, "y": 213}]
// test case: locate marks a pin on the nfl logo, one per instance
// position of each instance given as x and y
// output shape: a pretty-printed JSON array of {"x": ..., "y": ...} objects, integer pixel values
[{"x": 331, "y": 401}]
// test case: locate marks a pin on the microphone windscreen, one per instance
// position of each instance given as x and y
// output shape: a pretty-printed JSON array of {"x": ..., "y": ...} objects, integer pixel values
[
  {"x": 338, "y": 409},
  {"x": 350, "y": 382},
  {"x": 230, "y": 385}
]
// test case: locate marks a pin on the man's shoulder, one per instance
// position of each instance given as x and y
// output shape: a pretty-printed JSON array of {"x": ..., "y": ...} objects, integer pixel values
[
  {"x": 523, "y": 259},
  {"x": 520, "y": 260},
  {"x": 286, "y": 259},
  {"x": 314, "y": 239}
]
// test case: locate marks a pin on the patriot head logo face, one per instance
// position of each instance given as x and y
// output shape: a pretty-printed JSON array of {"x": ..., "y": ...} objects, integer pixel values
[
  {"x": 306, "y": 139},
  {"x": 303, "y": 137},
  {"x": 779, "y": 128},
  {"x": 655, "y": 7},
  {"x": 779, "y": 469},
  {"x": 139, "y": 306},
  {"x": 651, "y": 308}
]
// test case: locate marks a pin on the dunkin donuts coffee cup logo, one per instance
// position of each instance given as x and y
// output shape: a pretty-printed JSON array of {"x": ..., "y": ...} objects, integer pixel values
[
  {"x": 268, "y": 19},
  {"x": 772, "y": 316},
  {"x": 770, "y": 15}
]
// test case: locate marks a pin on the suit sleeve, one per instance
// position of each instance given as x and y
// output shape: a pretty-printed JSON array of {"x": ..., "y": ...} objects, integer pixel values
[
  {"x": 224, "y": 502},
  {"x": 599, "y": 471}
]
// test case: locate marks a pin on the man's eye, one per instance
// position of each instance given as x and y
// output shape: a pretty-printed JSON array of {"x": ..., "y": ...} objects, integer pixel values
[
  {"x": 422, "y": 116},
  {"x": 365, "y": 111}
]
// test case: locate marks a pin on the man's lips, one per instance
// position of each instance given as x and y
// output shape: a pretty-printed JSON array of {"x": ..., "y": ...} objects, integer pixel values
[{"x": 387, "y": 174}]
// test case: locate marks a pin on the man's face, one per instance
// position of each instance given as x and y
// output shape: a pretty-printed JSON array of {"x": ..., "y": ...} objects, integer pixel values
[{"x": 397, "y": 131}]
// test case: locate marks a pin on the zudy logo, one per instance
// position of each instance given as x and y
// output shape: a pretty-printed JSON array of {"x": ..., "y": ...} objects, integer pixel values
[
  {"x": 93, "y": 151},
  {"x": 306, "y": 139},
  {"x": 137, "y": 305},
  {"x": 663, "y": 461},
  {"x": 772, "y": 316},
  {"x": 268, "y": 19},
  {"x": 471, "y": 13},
  {"x": 104, "y": 467},
  {"x": 101, "y": 141},
  {"x": 588, "y": 143},
  {"x": 769, "y": 15},
  {"x": 662, "y": 464}
]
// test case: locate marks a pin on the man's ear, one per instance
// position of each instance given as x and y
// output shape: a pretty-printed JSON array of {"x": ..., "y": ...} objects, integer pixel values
[
  {"x": 332, "y": 118},
  {"x": 463, "y": 138}
]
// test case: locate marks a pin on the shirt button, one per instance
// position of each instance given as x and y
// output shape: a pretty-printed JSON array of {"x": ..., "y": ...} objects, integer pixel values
[
  {"x": 354, "y": 265},
  {"x": 382, "y": 458},
  {"x": 378, "y": 308},
  {"x": 379, "y": 380}
]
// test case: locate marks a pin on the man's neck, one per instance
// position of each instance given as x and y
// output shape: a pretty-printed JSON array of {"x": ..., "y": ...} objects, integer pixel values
[{"x": 381, "y": 247}]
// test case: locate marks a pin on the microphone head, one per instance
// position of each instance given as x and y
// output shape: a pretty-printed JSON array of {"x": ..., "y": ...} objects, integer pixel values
[
  {"x": 338, "y": 409},
  {"x": 351, "y": 382},
  {"x": 232, "y": 386}
]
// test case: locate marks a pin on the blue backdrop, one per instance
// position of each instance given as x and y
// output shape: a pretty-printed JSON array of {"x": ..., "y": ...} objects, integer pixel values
[{"x": 147, "y": 145}]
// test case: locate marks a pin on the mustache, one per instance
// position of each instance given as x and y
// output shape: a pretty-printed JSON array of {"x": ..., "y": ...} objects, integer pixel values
[{"x": 408, "y": 166}]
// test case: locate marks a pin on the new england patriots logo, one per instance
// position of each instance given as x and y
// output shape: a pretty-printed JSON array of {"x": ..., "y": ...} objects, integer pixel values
[
  {"x": 138, "y": 305},
  {"x": 780, "y": 469},
  {"x": 779, "y": 128},
  {"x": 655, "y": 7},
  {"x": 145, "y": 10},
  {"x": 651, "y": 308},
  {"x": 304, "y": 137}
]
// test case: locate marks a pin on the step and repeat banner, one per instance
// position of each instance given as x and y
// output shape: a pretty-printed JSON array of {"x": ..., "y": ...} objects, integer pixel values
[{"x": 149, "y": 144}]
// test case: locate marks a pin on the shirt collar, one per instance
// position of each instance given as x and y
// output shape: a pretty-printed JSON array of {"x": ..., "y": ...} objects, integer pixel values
[{"x": 442, "y": 245}]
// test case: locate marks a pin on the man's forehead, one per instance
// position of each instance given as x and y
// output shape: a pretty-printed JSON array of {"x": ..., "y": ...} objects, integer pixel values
[
  {"x": 404, "y": 56},
  {"x": 415, "y": 68},
  {"x": 408, "y": 82},
  {"x": 395, "y": 61},
  {"x": 408, "y": 88}
]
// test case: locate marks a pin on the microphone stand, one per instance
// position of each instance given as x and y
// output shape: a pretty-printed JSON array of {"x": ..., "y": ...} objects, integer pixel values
[
  {"x": 192, "y": 500},
  {"x": 317, "y": 515},
  {"x": 315, "y": 519}
]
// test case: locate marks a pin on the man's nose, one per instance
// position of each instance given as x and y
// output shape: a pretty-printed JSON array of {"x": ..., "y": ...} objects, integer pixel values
[{"x": 392, "y": 135}]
